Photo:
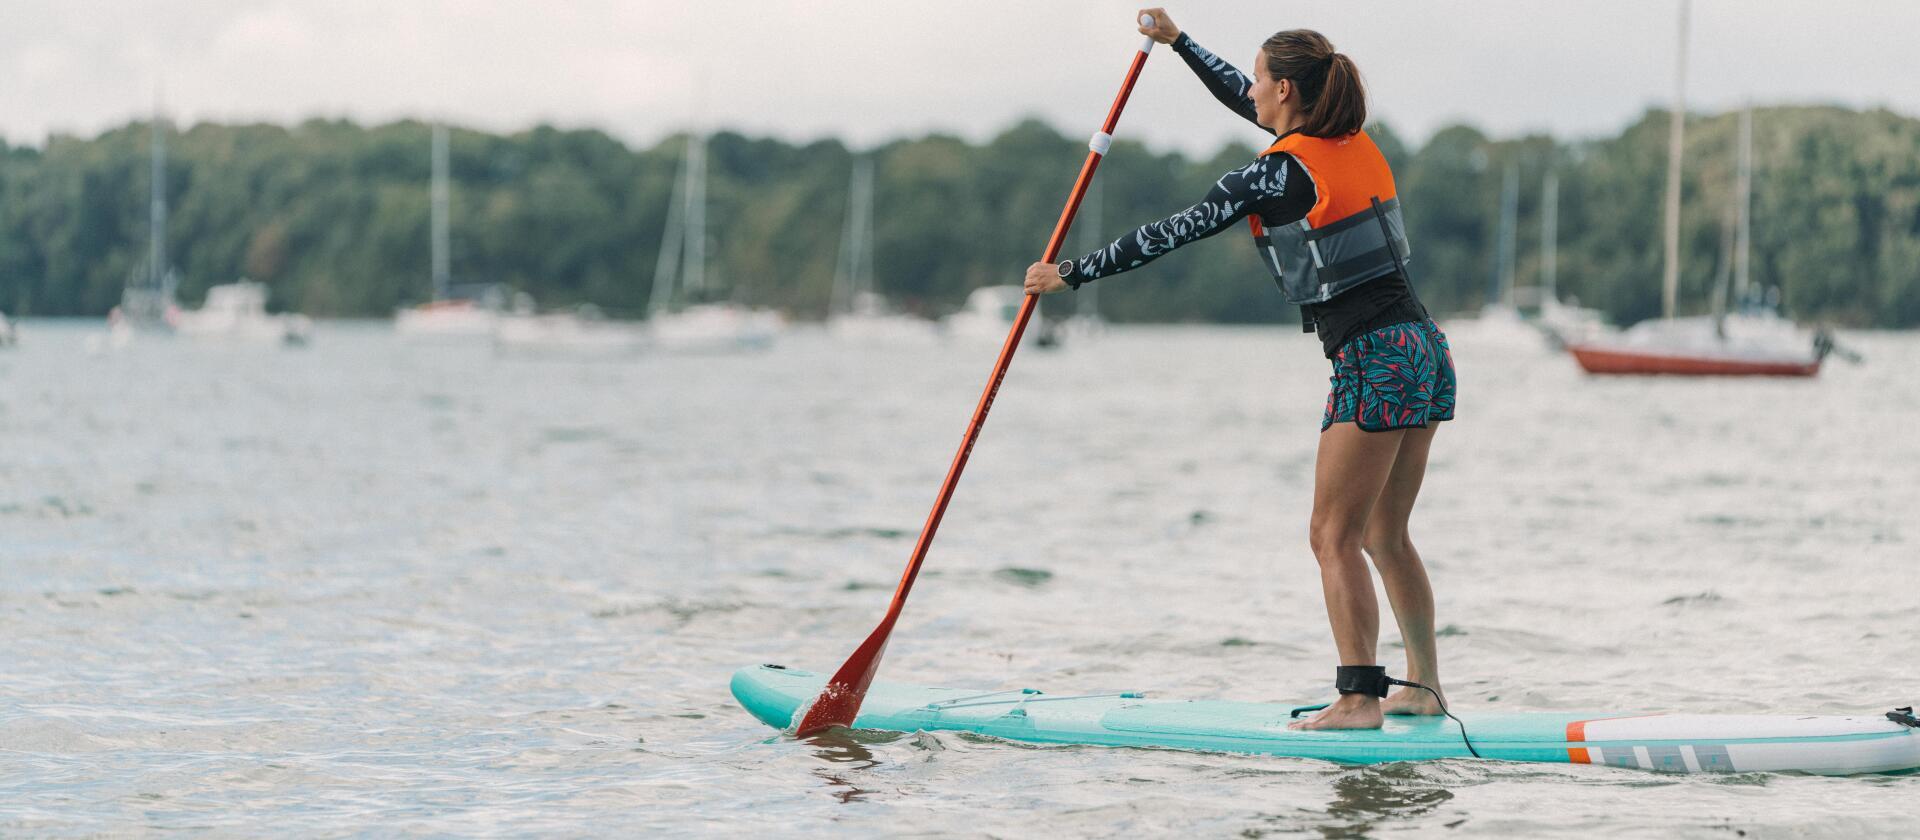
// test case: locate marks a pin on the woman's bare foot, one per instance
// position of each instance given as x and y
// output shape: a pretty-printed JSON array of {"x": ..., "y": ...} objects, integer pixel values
[
  {"x": 1411, "y": 701},
  {"x": 1351, "y": 711}
]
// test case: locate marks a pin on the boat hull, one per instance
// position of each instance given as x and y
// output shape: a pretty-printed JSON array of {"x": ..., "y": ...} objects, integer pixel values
[{"x": 1616, "y": 361}]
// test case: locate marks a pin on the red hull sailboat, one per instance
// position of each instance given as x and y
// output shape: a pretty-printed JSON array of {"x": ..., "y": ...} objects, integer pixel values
[
  {"x": 1753, "y": 340},
  {"x": 1757, "y": 344}
]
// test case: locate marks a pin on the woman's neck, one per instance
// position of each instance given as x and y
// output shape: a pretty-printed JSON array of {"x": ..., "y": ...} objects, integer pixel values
[{"x": 1289, "y": 121}]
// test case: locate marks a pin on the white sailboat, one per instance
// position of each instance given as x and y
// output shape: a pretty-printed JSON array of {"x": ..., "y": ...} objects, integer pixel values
[
  {"x": 1562, "y": 322},
  {"x": 1085, "y": 322},
  {"x": 147, "y": 303},
  {"x": 1500, "y": 323},
  {"x": 989, "y": 315},
  {"x": 448, "y": 315},
  {"x": 582, "y": 332},
  {"x": 698, "y": 327},
  {"x": 857, "y": 312},
  {"x": 238, "y": 311},
  {"x": 1748, "y": 342}
]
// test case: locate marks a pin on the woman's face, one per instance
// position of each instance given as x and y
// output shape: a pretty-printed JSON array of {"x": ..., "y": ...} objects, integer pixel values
[{"x": 1267, "y": 93}]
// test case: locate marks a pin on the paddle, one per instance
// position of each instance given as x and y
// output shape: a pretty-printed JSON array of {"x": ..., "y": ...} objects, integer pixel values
[{"x": 839, "y": 702}]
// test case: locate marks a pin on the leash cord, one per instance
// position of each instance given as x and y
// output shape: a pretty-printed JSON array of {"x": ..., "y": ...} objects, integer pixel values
[{"x": 1443, "y": 710}]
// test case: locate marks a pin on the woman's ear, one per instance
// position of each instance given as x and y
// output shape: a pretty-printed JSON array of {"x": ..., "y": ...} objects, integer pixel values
[{"x": 1285, "y": 87}]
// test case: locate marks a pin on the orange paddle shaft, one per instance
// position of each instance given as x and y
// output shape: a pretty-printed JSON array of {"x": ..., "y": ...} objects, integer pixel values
[{"x": 839, "y": 702}]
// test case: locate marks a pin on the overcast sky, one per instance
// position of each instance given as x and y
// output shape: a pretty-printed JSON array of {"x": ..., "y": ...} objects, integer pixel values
[{"x": 872, "y": 70}]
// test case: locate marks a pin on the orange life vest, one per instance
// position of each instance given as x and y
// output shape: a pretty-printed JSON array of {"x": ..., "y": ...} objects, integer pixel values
[{"x": 1353, "y": 234}]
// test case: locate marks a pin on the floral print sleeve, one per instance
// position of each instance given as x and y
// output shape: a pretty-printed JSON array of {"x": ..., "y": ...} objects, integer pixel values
[
  {"x": 1259, "y": 187},
  {"x": 1223, "y": 80}
]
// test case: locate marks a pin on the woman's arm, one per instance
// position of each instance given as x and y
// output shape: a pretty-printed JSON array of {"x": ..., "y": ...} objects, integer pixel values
[
  {"x": 1226, "y": 83},
  {"x": 1260, "y": 186}
]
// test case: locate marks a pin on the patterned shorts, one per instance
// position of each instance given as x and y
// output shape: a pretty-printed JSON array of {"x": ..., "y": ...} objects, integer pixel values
[{"x": 1396, "y": 377}]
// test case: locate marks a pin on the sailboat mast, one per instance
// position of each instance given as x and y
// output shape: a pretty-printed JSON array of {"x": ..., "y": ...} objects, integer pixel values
[
  {"x": 1087, "y": 300},
  {"x": 442, "y": 274},
  {"x": 1743, "y": 209},
  {"x": 157, "y": 206},
  {"x": 863, "y": 227},
  {"x": 1509, "y": 219},
  {"x": 1549, "y": 236},
  {"x": 671, "y": 239},
  {"x": 853, "y": 271},
  {"x": 838, "y": 300},
  {"x": 694, "y": 270},
  {"x": 1670, "y": 282}
]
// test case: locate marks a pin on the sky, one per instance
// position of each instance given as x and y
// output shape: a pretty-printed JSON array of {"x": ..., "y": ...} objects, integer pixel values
[{"x": 868, "y": 71}]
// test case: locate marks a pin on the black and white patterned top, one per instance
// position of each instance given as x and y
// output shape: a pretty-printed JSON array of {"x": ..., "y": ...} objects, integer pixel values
[
  {"x": 1279, "y": 189},
  {"x": 1274, "y": 186}
]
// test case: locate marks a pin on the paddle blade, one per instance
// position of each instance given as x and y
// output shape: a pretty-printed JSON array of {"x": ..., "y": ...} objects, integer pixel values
[{"x": 839, "y": 703}]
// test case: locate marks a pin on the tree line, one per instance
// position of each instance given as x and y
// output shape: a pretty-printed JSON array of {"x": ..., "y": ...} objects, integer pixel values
[{"x": 334, "y": 216}]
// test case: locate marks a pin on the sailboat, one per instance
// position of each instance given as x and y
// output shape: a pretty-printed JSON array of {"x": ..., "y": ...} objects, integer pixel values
[
  {"x": 583, "y": 332},
  {"x": 1085, "y": 322},
  {"x": 464, "y": 313},
  {"x": 1562, "y": 322},
  {"x": 147, "y": 303},
  {"x": 1750, "y": 341},
  {"x": 238, "y": 312},
  {"x": 857, "y": 312},
  {"x": 989, "y": 313},
  {"x": 1500, "y": 322},
  {"x": 697, "y": 326}
]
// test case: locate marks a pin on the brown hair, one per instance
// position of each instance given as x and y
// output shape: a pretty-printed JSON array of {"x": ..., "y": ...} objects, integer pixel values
[{"x": 1331, "y": 95}]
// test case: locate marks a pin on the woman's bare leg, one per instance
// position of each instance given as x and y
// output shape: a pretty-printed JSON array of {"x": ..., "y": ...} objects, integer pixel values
[
  {"x": 1386, "y": 541},
  {"x": 1351, "y": 470}
]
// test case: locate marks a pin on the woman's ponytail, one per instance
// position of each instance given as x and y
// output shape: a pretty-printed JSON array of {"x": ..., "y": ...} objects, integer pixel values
[{"x": 1332, "y": 98}]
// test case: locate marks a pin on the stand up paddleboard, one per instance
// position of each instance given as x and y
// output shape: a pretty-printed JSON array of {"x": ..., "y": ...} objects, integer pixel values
[{"x": 1827, "y": 745}]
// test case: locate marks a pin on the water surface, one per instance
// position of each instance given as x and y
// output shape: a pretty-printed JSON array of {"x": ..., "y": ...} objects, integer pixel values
[{"x": 374, "y": 587}]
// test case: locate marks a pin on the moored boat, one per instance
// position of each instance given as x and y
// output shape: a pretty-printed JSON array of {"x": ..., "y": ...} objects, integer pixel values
[
  {"x": 1737, "y": 345},
  {"x": 464, "y": 311},
  {"x": 1754, "y": 339},
  {"x": 238, "y": 311},
  {"x": 989, "y": 314},
  {"x": 698, "y": 325}
]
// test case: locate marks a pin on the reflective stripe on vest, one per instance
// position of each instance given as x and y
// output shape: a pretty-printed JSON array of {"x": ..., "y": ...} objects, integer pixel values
[{"x": 1342, "y": 242}]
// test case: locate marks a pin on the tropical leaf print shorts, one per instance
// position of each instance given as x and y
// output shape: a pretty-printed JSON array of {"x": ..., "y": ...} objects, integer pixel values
[{"x": 1396, "y": 377}]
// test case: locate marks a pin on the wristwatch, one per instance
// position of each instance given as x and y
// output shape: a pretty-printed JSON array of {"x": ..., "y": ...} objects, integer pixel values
[{"x": 1066, "y": 273}]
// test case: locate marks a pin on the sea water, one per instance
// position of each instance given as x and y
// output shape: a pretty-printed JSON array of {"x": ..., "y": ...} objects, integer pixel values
[{"x": 374, "y": 587}]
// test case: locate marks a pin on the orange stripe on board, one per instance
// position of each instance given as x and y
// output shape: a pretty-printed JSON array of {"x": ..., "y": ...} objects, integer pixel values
[{"x": 1577, "y": 733}]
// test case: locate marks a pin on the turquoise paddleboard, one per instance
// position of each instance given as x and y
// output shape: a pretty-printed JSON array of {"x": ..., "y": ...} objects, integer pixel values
[{"x": 1682, "y": 742}]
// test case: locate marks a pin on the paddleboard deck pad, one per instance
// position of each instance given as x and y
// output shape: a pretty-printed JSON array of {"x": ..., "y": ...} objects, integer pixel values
[{"x": 1827, "y": 745}]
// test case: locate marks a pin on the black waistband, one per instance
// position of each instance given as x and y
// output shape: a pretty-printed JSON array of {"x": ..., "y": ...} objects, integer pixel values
[{"x": 1380, "y": 302}]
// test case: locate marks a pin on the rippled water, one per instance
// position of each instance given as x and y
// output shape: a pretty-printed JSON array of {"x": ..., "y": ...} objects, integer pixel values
[{"x": 368, "y": 587}]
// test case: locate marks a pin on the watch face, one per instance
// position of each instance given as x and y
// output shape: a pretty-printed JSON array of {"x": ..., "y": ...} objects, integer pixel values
[{"x": 1065, "y": 267}]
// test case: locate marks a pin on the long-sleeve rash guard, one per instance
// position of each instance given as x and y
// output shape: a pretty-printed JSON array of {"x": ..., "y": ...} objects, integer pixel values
[{"x": 1274, "y": 186}]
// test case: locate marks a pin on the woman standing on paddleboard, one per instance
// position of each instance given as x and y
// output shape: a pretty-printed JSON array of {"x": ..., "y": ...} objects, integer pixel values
[{"x": 1325, "y": 217}]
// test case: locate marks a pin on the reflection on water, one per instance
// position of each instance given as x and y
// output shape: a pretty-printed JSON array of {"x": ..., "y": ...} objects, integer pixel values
[
  {"x": 1370, "y": 796},
  {"x": 374, "y": 588},
  {"x": 842, "y": 747}
]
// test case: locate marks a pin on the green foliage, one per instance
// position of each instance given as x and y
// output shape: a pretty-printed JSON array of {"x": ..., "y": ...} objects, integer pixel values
[{"x": 334, "y": 216}]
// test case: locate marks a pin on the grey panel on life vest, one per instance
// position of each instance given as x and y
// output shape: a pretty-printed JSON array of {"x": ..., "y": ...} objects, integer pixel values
[{"x": 1314, "y": 264}]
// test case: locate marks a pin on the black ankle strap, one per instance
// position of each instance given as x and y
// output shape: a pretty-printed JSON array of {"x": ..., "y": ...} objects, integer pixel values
[{"x": 1370, "y": 680}]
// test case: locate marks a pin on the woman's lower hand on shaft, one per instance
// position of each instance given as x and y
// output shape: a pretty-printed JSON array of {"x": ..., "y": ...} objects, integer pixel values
[
  {"x": 1162, "y": 31},
  {"x": 1044, "y": 279}
]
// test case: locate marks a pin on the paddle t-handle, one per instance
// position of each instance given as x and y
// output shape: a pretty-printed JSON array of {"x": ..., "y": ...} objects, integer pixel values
[{"x": 1147, "y": 21}]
